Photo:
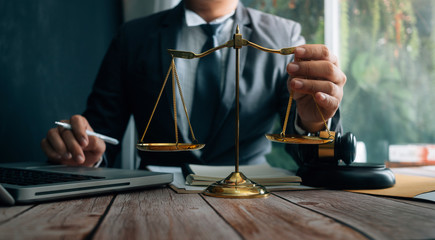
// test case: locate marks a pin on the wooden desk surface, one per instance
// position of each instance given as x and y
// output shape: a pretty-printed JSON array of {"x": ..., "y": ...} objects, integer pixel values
[{"x": 163, "y": 214}]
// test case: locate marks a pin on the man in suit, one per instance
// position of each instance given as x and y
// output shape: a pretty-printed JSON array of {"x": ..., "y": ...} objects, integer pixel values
[{"x": 135, "y": 65}]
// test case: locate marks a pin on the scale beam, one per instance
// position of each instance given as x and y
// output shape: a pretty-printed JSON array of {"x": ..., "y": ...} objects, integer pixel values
[{"x": 244, "y": 42}]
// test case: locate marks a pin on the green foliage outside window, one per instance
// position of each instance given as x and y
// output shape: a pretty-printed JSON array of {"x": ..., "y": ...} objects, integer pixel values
[
  {"x": 389, "y": 61},
  {"x": 387, "y": 50}
]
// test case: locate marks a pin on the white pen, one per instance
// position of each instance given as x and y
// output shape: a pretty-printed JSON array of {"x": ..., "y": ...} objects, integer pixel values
[{"x": 90, "y": 133}]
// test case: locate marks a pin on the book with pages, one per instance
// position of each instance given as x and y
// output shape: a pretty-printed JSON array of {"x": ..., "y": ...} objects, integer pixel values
[{"x": 204, "y": 175}]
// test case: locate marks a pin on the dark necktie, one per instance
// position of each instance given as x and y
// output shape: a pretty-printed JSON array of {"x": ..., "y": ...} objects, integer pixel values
[{"x": 207, "y": 86}]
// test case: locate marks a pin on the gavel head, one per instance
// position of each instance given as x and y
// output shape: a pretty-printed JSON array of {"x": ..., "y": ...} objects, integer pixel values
[{"x": 342, "y": 148}]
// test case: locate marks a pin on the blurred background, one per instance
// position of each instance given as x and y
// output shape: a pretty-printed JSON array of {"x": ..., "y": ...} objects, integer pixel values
[
  {"x": 51, "y": 50},
  {"x": 386, "y": 48}
]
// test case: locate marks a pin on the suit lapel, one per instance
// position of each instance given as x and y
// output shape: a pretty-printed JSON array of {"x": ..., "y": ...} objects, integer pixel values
[
  {"x": 241, "y": 18},
  {"x": 168, "y": 39}
]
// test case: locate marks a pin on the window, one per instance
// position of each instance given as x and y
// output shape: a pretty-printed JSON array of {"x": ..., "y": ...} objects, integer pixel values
[{"x": 388, "y": 54}]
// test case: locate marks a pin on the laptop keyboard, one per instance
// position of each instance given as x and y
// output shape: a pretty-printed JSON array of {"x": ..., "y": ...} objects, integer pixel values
[{"x": 27, "y": 177}]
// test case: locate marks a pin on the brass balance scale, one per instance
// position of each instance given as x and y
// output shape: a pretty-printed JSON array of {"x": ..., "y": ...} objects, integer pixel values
[{"x": 236, "y": 185}]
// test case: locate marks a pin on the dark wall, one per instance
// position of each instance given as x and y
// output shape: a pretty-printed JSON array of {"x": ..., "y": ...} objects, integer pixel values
[{"x": 50, "y": 52}]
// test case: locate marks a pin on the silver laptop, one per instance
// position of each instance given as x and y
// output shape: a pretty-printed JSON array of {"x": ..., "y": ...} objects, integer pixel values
[{"x": 34, "y": 182}]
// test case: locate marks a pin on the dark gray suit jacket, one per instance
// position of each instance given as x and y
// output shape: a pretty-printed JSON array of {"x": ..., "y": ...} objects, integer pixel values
[{"x": 134, "y": 68}]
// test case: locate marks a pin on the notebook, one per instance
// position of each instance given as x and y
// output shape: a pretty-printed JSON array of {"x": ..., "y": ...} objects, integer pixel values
[{"x": 29, "y": 182}]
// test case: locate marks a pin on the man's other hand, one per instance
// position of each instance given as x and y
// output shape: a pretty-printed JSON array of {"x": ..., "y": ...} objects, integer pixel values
[{"x": 73, "y": 147}]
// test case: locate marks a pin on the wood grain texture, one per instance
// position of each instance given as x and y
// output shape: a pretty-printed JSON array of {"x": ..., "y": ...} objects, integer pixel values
[
  {"x": 276, "y": 218},
  {"x": 163, "y": 214},
  {"x": 7, "y": 213},
  {"x": 378, "y": 218},
  {"x": 416, "y": 202},
  {"x": 72, "y": 219}
]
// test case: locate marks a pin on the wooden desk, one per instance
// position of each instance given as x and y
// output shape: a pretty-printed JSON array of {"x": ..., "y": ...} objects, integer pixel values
[{"x": 164, "y": 214}]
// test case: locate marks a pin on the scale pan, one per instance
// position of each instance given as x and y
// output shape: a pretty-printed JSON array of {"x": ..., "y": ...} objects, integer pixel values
[
  {"x": 298, "y": 139},
  {"x": 168, "y": 147}
]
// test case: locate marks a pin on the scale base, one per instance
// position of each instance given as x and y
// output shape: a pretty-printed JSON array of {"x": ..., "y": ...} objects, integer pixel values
[
  {"x": 168, "y": 147},
  {"x": 236, "y": 185},
  {"x": 354, "y": 176}
]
